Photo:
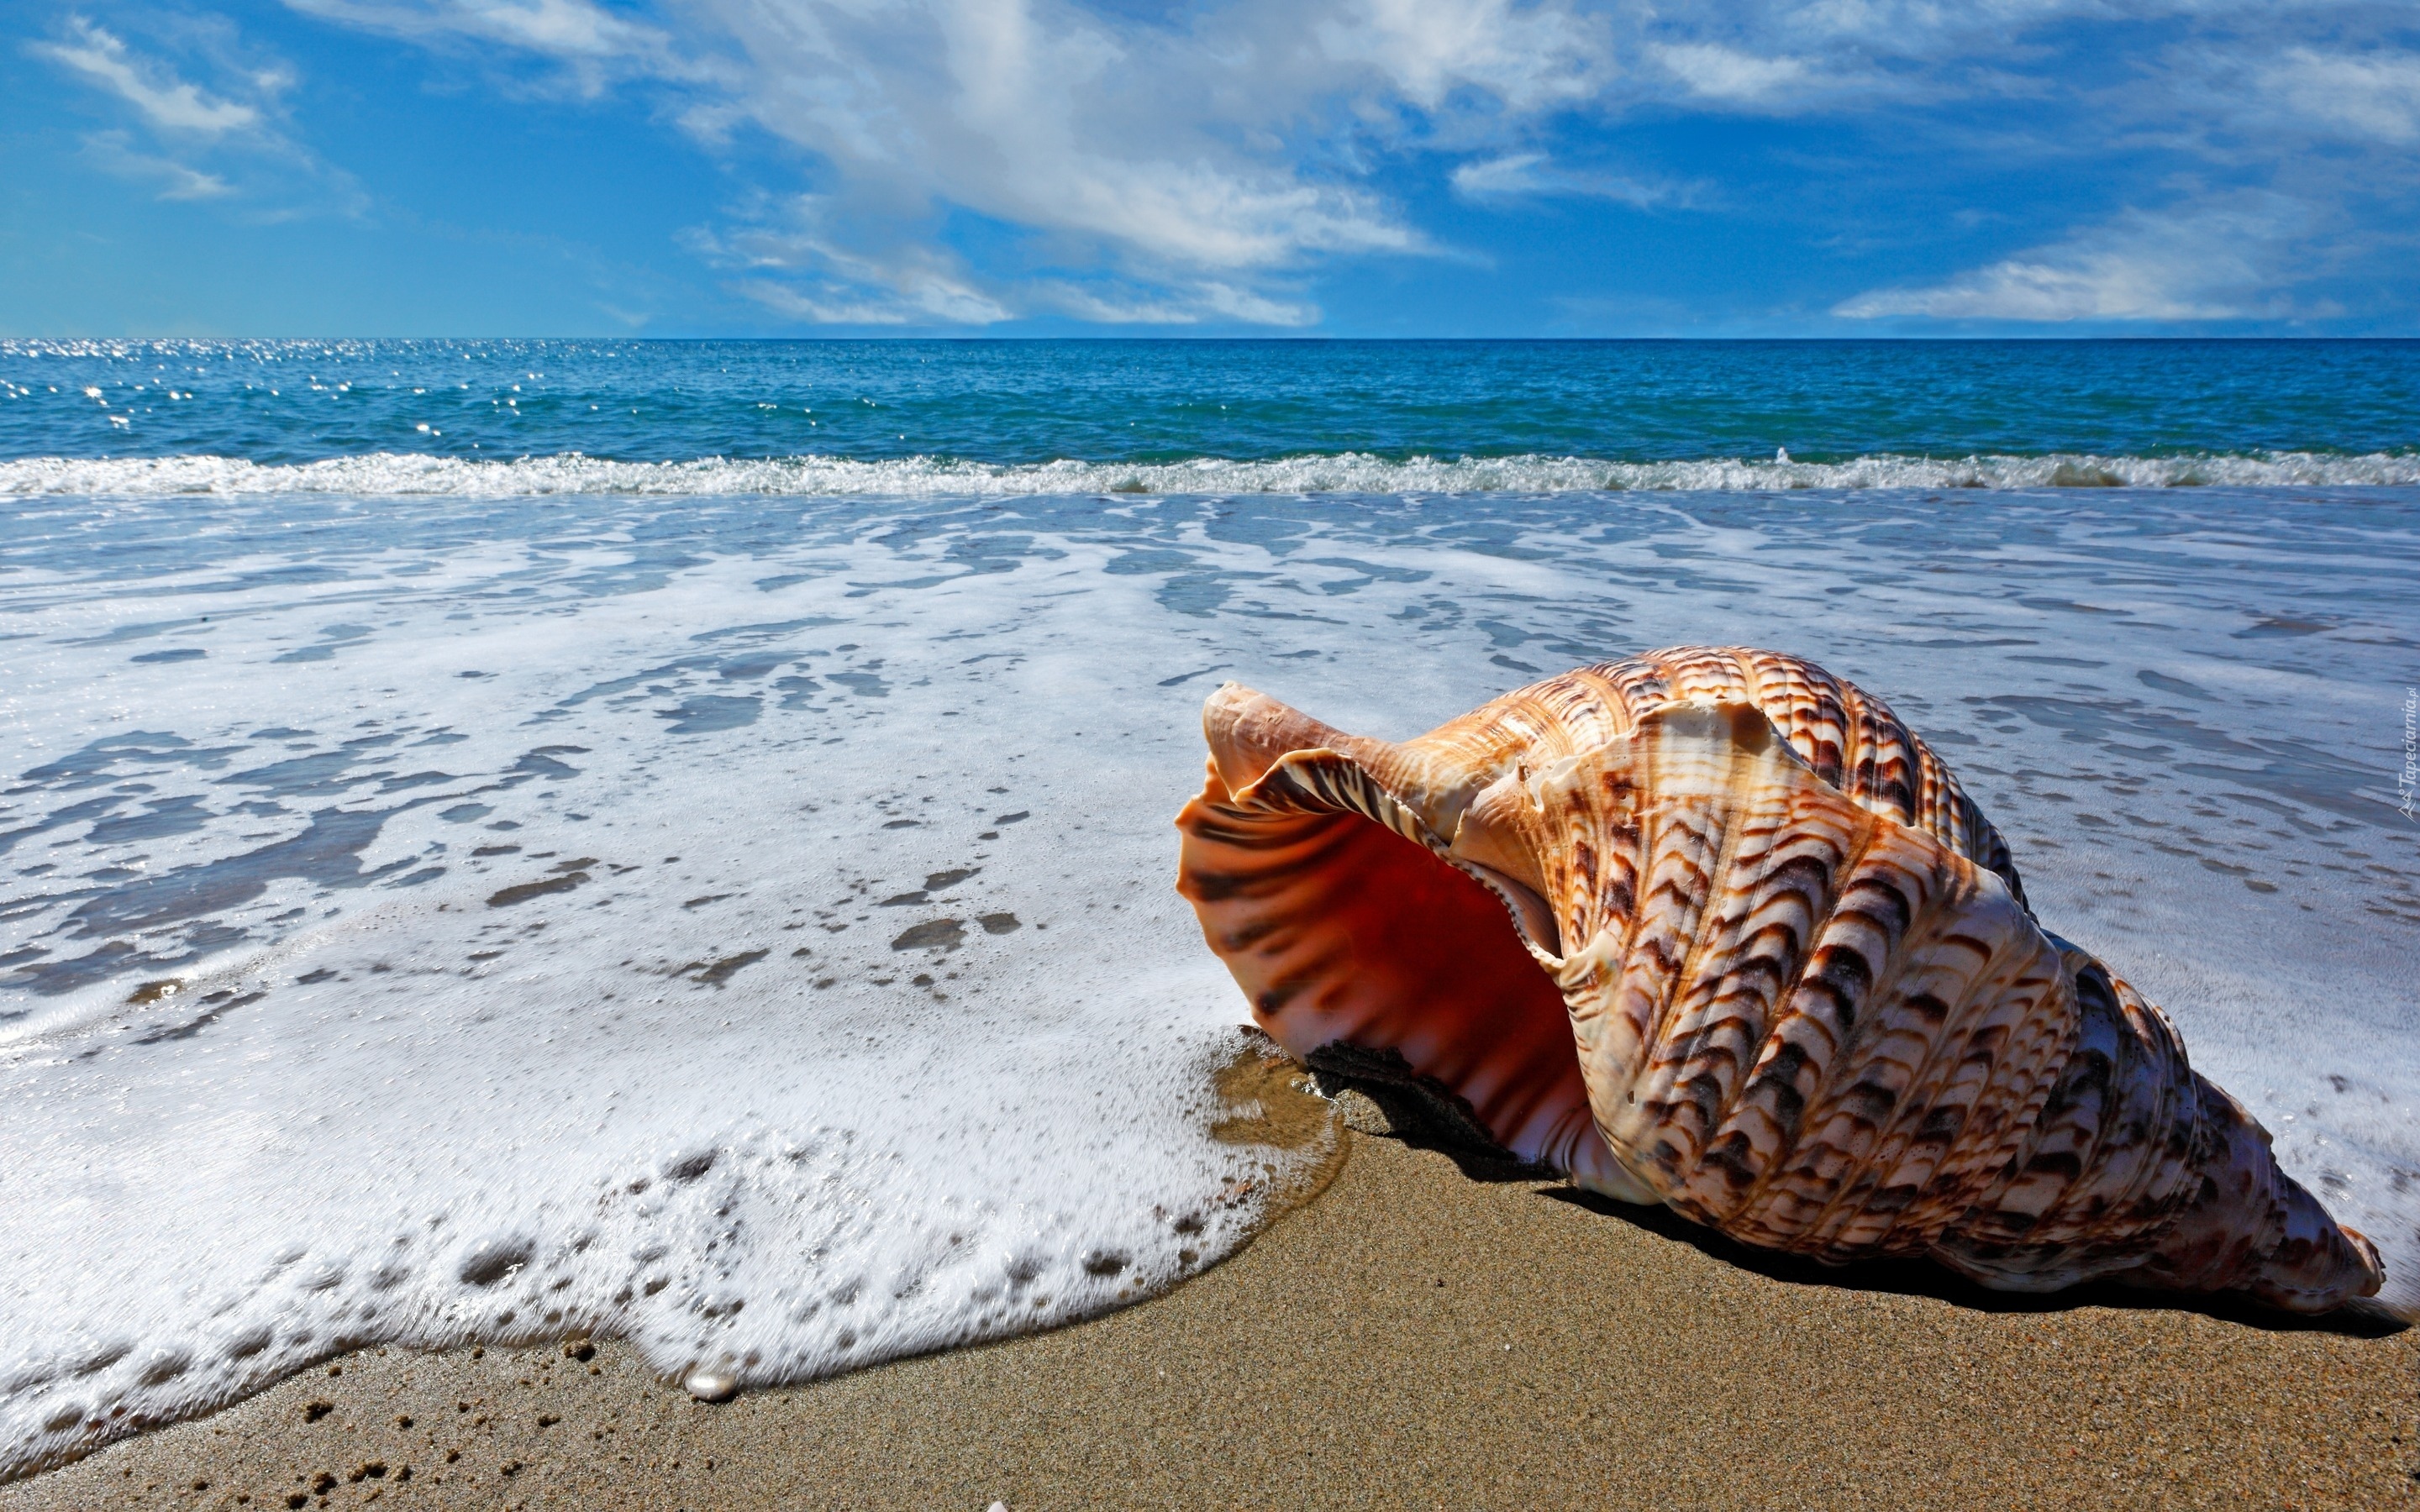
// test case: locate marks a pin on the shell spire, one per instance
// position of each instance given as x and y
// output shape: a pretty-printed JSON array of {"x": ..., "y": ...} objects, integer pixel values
[{"x": 1713, "y": 929}]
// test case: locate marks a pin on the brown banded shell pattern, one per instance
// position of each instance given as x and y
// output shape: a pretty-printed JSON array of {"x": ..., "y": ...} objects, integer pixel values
[
  {"x": 1802, "y": 1024},
  {"x": 1846, "y": 736}
]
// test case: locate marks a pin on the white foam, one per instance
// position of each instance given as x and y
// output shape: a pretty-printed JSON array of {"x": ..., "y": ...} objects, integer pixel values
[
  {"x": 927, "y": 477},
  {"x": 447, "y": 1119},
  {"x": 437, "y": 1122}
]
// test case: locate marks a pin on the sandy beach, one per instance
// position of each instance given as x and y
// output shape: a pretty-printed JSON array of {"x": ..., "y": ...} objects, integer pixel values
[{"x": 1432, "y": 1331}]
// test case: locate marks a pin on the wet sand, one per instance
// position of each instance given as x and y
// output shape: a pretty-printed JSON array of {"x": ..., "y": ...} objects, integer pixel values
[{"x": 1423, "y": 1335}]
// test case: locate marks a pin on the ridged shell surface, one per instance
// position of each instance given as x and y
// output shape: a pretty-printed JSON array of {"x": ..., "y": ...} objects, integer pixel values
[{"x": 1711, "y": 928}]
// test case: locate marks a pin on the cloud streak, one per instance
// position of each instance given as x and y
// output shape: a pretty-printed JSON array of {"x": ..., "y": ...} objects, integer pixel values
[
  {"x": 223, "y": 139},
  {"x": 1713, "y": 72},
  {"x": 1533, "y": 175},
  {"x": 2374, "y": 96},
  {"x": 110, "y": 152},
  {"x": 2209, "y": 263},
  {"x": 165, "y": 101}
]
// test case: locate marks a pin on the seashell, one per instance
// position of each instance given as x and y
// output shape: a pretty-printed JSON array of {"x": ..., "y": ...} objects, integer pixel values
[{"x": 1713, "y": 929}]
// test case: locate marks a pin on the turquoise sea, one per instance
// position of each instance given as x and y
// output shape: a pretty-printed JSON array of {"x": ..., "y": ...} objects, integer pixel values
[
  {"x": 912, "y": 415},
  {"x": 672, "y": 839}
]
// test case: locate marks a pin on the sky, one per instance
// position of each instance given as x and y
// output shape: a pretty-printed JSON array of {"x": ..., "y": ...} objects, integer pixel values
[{"x": 1209, "y": 168}]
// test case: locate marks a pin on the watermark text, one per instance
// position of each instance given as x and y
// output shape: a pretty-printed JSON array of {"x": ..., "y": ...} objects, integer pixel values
[{"x": 2407, "y": 780}]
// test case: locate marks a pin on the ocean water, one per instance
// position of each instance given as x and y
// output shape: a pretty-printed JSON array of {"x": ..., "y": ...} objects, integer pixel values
[
  {"x": 938, "y": 419},
  {"x": 716, "y": 889}
]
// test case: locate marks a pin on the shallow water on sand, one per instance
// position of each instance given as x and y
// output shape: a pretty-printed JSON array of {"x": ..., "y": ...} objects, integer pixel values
[{"x": 745, "y": 923}]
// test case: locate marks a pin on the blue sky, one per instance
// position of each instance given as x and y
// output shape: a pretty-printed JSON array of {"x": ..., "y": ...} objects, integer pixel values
[{"x": 1354, "y": 167}]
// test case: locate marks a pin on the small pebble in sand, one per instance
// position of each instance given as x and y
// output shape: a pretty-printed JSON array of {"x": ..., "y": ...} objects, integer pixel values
[{"x": 713, "y": 1385}]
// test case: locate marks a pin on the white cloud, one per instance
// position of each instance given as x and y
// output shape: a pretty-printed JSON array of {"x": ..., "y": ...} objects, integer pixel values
[
  {"x": 1528, "y": 58},
  {"x": 153, "y": 88},
  {"x": 109, "y": 151},
  {"x": 1717, "y": 72},
  {"x": 1533, "y": 175},
  {"x": 2205, "y": 264},
  {"x": 593, "y": 45},
  {"x": 190, "y": 184},
  {"x": 801, "y": 269},
  {"x": 1202, "y": 302},
  {"x": 564, "y": 27},
  {"x": 2374, "y": 95},
  {"x": 222, "y": 137},
  {"x": 806, "y": 259},
  {"x": 832, "y": 304},
  {"x": 1045, "y": 118},
  {"x": 1515, "y": 173}
]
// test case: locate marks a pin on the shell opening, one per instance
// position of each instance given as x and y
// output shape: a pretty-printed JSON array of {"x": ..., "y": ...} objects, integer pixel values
[{"x": 1342, "y": 928}]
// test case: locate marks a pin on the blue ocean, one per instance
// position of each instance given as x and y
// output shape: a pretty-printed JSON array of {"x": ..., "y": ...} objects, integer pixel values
[
  {"x": 899, "y": 418},
  {"x": 672, "y": 839}
]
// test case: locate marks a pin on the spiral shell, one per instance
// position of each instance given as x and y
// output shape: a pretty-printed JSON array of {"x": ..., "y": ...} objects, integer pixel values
[{"x": 1767, "y": 964}]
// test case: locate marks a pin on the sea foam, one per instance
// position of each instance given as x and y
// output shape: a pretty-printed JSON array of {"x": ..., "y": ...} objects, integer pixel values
[
  {"x": 745, "y": 925},
  {"x": 931, "y": 477}
]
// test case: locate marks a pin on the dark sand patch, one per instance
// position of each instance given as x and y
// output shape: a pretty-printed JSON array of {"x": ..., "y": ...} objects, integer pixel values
[
  {"x": 523, "y": 891},
  {"x": 939, "y": 933}
]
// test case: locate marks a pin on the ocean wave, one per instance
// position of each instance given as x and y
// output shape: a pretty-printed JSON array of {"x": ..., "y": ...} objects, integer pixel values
[{"x": 391, "y": 474}]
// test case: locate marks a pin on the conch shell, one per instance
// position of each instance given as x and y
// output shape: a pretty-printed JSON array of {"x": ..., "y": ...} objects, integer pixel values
[{"x": 1713, "y": 929}]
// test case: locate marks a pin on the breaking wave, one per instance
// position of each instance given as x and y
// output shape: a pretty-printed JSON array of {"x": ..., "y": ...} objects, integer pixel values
[{"x": 391, "y": 474}]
